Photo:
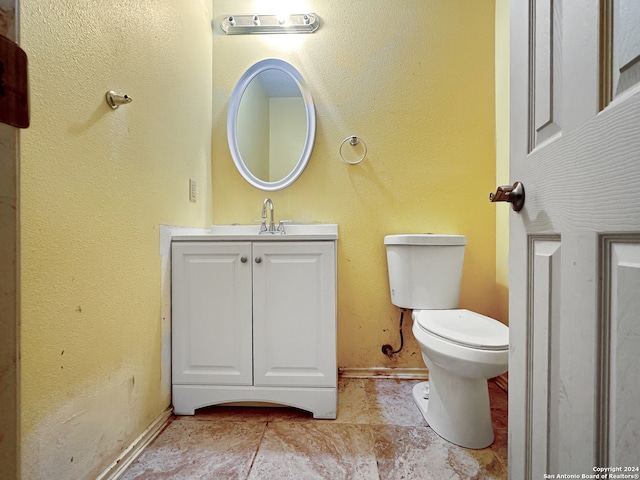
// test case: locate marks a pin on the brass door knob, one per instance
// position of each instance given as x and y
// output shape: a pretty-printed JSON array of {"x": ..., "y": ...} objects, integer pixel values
[{"x": 514, "y": 194}]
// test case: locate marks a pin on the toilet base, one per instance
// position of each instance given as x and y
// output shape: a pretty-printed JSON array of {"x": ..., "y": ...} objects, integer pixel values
[
  {"x": 421, "y": 398},
  {"x": 461, "y": 416}
]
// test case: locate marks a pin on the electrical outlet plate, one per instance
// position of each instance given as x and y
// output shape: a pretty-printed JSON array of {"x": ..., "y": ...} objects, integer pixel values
[{"x": 192, "y": 190}]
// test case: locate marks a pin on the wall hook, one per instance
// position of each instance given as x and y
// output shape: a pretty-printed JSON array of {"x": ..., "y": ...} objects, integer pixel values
[{"x": 114, "y": 100}]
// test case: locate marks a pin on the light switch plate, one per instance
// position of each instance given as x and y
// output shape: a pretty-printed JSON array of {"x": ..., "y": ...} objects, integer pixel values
[{"x": 192, "y": 190}]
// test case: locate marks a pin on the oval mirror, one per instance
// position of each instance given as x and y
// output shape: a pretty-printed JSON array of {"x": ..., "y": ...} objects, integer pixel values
[{"x": 271, "y": 124}]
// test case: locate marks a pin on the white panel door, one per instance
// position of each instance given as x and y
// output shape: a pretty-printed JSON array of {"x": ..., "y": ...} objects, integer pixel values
[
  {"x": 294, "y": 314},
  {"x": 211, "y": 313},
  {"x": 574, "y": 380}
]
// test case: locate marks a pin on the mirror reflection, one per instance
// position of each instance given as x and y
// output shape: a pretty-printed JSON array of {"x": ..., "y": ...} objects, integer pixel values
[{"x": 271, "y": 124}]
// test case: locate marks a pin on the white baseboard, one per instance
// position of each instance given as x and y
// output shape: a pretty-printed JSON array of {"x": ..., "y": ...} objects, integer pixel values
[
  {"x": 406, "y": 373},
  {"x": 385, "y": 372},
  {"x": 126, "y": 458}
]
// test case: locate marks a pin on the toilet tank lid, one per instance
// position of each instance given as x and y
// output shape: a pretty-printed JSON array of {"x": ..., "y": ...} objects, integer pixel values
[{"x": 425, "y": 239}]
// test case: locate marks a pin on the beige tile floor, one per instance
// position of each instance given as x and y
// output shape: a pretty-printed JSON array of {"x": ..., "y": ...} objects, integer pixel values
[{"x": 379, "y": 434}]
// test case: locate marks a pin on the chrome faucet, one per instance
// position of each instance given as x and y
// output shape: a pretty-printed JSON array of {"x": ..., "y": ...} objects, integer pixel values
[{"x": 272, "y": 225}]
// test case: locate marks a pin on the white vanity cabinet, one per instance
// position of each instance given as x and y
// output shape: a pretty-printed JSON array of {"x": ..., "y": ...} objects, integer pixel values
[{"x": 254, "y": 321}]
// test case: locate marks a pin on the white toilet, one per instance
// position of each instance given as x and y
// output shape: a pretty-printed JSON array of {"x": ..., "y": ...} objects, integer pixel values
[{"x": 461, "y": 349}]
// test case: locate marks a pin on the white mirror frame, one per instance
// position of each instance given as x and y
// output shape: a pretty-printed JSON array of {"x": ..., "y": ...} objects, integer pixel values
[{"x": 232, "y": 119}]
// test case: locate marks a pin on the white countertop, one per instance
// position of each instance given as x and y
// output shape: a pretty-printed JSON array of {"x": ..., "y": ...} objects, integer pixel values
[{"x": 305, "y": 232}]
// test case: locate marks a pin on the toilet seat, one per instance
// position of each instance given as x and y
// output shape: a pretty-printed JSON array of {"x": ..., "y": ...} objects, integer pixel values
[{"x": 465, "y": 328}]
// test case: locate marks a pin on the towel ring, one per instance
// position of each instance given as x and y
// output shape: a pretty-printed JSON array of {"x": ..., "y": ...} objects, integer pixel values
[{"x": 353, "y": 141}]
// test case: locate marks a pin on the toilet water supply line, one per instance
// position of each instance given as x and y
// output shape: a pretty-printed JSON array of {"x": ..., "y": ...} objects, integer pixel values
[{"x": 388, "y": 349}]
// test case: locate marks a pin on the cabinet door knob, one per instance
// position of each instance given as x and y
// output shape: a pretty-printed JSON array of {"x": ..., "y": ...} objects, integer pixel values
[
  {"x": 258, "y": 259},
  {"x": 243, "y": 259}
]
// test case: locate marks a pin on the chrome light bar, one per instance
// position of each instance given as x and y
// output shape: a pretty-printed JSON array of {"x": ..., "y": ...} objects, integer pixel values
[{"x": 246, "y": 24}]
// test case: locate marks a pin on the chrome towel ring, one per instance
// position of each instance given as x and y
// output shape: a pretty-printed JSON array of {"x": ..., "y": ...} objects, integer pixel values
[{"x": 353, "y": 141}]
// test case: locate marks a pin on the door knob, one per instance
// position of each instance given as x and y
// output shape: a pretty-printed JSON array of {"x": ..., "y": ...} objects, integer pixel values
[
  {"x": 243, "y": 259},
  {"x": 514, "y": 194},
  {"x": 258, "y": 259}
]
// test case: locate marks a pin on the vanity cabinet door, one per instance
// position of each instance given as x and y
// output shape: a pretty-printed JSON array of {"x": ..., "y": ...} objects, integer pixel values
[
  {"x": 294, "y": 314},
  {"x": 211, "y": 313}
]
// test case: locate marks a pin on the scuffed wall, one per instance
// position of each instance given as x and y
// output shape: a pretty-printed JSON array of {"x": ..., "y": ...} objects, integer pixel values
[{"x": 96, "y": 186}]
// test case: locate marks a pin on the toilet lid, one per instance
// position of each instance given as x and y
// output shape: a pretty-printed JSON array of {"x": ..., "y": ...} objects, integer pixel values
[{"x": 466, "y": 328}]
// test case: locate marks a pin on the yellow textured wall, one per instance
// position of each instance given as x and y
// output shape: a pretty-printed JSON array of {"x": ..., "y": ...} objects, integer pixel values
[
  {"x": 415, "y": 80},
  {"x": 502, "y": 156},
  {"x": 96, "y": 184}
]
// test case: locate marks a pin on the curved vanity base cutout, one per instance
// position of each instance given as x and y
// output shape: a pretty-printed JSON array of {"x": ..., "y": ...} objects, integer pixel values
[{"x": 321, "y": 402}]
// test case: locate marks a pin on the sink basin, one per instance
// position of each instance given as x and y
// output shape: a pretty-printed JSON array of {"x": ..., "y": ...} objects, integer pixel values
[{"x": 294, "y": 231}]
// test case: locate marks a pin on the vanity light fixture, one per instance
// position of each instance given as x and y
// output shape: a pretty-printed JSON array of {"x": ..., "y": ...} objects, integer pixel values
[{"x": 294, "y": 23}]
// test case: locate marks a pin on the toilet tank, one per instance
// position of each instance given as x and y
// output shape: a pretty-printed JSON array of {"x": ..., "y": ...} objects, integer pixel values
[{"x": 425, "y": 270}]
